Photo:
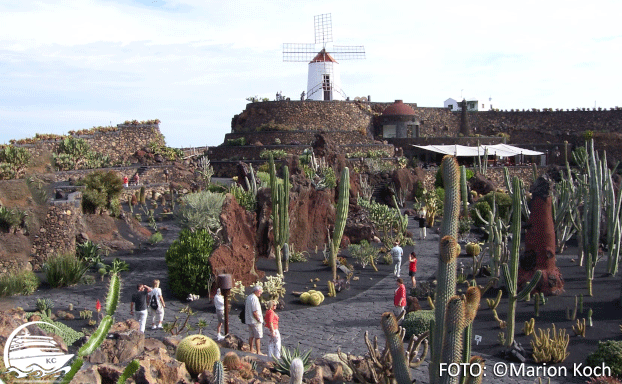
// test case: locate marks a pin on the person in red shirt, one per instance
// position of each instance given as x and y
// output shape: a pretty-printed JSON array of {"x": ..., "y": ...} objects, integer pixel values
[
  {"x": 412, "y": 268},
  {"x": 125, "y": 181},
  {"x": 271, "y": 319},
  {"x": 399, "y": 300}
]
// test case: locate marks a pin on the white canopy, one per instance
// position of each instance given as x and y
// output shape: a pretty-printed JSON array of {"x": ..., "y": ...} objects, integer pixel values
[{"x": 501, "y": 150}]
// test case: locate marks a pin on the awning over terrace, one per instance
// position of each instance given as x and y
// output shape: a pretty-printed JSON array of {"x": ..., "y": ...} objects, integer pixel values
[{"x": 501, "y": 150}]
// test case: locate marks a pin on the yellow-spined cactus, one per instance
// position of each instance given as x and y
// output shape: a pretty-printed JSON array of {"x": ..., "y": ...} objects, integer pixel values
[
  {"x": 315, "y": 299},
  {"x": 473, "y": 249},
  {"x": 304, "y": 298},
  {"x": 198, "y": 352}
]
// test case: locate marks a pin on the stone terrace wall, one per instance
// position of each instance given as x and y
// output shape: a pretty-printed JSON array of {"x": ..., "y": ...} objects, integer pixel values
[
  {"x": 434, "y": 122},
  {"x": 298, "y": 136},
  {"x": 119, "y": 144},
  {"x": 58, "y": 232},
  {"x": 305, "y": 115}
]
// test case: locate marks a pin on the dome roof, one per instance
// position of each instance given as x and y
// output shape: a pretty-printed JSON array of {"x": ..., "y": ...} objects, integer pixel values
[{"x": 398, "y": 109}]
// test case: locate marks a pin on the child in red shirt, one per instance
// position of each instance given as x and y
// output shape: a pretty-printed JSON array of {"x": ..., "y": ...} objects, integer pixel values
[{"x": 412, "y": 268}]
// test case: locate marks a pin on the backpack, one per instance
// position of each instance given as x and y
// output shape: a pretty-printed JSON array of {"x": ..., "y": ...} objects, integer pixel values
[
  {"x": 243, "y": 315},
  {"x": 153, "y": 303}
]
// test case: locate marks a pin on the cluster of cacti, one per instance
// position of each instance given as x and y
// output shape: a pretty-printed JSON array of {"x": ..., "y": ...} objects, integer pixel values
[
  {"x": 529, "y": 326},
  {"x": 550, "y": 349},
  {"x": 280, "y": 211},
  {"x": 521, "y": 193},
  {"x": 331, "y": 289},
  {"x": 494, "y": 303},
  {"x": 579, "y": 328},
  {"x": 312, "y": 297},
  {"x": 100, "y": 333},
  {"x": 340, "y": 219},
  {"x": 482, "y": 167},
  {"x": 198, "y": 352},
  {"x": 497, "y": 229},
  {"x": 296, "y": 370},
  {"x": 510, "y": 270}
]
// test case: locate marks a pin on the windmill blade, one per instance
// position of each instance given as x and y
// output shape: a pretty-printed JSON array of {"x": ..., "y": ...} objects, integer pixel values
[
  {"x": 298, "y": 52},
  {"x": 348, "y": 52},
  {"x": 323, "y": 27}
]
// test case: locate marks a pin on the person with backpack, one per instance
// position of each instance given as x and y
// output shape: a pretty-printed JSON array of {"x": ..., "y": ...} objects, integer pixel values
[
  {"x": 396, "y": 254},
  {"x": 139, "y": 301},
  {"x": 156, "y": 305},
  {"x": 254, "y": 319}
]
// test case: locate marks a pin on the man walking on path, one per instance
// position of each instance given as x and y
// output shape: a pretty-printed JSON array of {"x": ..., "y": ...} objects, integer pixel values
[
  {"x": 139, "y": 302},
  {"x": 254, "y": 320},
  {"x": 396, "y": 254}
]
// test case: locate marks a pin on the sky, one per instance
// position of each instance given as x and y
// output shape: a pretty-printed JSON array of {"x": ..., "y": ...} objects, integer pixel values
[{"x": 74, "y": 64}]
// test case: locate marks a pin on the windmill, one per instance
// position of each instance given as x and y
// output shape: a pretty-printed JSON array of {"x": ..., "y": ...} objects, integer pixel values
[{"x": 324, "y": 81}]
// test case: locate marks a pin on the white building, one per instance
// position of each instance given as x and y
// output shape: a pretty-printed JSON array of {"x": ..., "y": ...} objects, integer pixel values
[
  {"x": 324, "y": 80},
  {"x": 473, "y": 104}
]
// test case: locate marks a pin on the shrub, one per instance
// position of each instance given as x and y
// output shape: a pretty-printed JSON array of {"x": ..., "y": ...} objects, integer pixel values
[
  {"x": 464, "y": 225},
  {"x": 64, "y": 270},
  {"x": 438, "y": 180},
  {"x": 188, "y": 264},
  {"x": 237, "y": 142},
  {"x": 440, "y": 200},
  {"x": 14, "y": 161},
  {"x": 217, "y": 188},
  {"x": 18, "y": 283},
  {"x": 102, "y": 189},
  {"x": 11, "y": 219},
  {"x": 155, "y": 238},
  {"x": 609, "y": 353},
  {"x": 483, "y": 208},
  {"x": 276, "y": 153},
  {"x": 415, "y": 323},
  {"x": 364, "y": 252},
  {"x": 200, "y": 210},
  {"x": 469, "y": 174},
  {"x": 89, "y": 252},
  {"x": 502, "y": 200},
  {"x": 246, "y": 199}
]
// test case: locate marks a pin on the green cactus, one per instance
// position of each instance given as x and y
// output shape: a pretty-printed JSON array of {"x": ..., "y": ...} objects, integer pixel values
[
  {"x": 315, "y": 299},
  {"x": 396, "y": 348},
  {"x": 331, "y": 289},
  {"x": 129, "y": 371},
  {"x": 510, "y": 269},
  {"x": 453, "y": 330},
  {"x": 592, "y": 212},
  {"x": 142, "y": 195},
  {"x": 451, "y": 206},
  {"x": 280, "y": 211},
  {"x": 296, "y": 370},
  {"x": 463, "y": 191},
  {"x": 112, "y": 300},
  {"x": 589, "y": 317},
  {"x": 475, "y": 379},
  {"x": 340, "y": 219},
  {"x": 198, "y": 352},
  {"x": 304, "y": 297},
  {"x": 219, "y": 373},
  {"x": 472, "y": 299}
]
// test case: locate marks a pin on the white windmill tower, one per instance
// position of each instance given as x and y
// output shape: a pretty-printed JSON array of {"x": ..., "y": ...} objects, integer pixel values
[{"x": 324, "y": 80}]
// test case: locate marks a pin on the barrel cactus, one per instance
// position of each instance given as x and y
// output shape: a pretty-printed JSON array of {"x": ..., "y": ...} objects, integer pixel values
[
  {"x": 473, "y": 249},
  {"x": 198, "y": 352},
  {"x": 315, "y": 299},
  {"x": 304, "y": 298},
  {"x": 231, "y": 361}
]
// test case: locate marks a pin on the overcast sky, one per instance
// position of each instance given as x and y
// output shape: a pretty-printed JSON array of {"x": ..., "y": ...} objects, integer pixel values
[{"x": 74, "y": 64}]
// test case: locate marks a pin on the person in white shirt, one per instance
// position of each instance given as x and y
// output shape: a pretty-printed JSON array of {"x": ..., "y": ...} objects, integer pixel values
[
  {"x": 156, "y": 296},
  {"x": 254, "y": 320},
  {"x": 396, "y": 253},
  {"x": 219, "y": 303}
]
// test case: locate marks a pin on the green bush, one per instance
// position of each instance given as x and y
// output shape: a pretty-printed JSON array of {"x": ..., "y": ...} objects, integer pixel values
[
  {"x": 276, "y": 153},
  {"x": 484, "y": 209},
  {"x": 438, "y": 180},
  {"x": 11, "y": 219},
  {"x": 237, "y": 142},
  {"x": 188, "y": 264},
  {"x": 200, "y": 210},
  {"x": 14, "y": 161},
  {"x": 216, "y": 188},
  {"x": 156, "y": 238},
  {"x": 64, "y": 270},
  {"x": 502, "y": 200},
  {"x": 469, "y": 174},
  {"x": 18, "y": 283},
  {"x": 415, "y": 323},
  {"x": 364, "y": 252},
  {"x": 440, "y": 200},
  {"x": 102, "y": 189},
  {"x": 246, "y": 199},
  {"x": 609, "y": 353}
]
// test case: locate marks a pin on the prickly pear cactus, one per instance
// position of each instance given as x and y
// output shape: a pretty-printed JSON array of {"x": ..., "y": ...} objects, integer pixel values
[{"x": 198, "y": 352}]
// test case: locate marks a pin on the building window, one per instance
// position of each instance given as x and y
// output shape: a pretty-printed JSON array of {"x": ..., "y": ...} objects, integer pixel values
[
  {"x": 483, "y": 106},
  {"x": 450, "y": 107}
]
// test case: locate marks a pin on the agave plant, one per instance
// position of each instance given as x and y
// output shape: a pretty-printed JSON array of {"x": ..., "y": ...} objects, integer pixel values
[{"x": 283, "y": 364}]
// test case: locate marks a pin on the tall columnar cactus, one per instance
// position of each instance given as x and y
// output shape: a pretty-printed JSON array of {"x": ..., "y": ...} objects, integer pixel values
[
  {"x": 340, "y": 218},
  {"x": 446, "y": 271},
  {"x": 510, "y": 269},
  {"x": 472, "y": 299},
  {"x": 463, "y": 191},
  {"x": 296, "y": 370},
  {"x": 280, "y": 211},
  {"x": 592, "y": 212},
  {"x": 612, "y": 209},
  {"x": 142, "y": 195},
  {"x": 396, "y": 348},
  {"x": 453, "y": 333},
  {"x": 522, "y": 194},
  {"x": 100, "y": 333},
  {"x": 198, "y": 352}
]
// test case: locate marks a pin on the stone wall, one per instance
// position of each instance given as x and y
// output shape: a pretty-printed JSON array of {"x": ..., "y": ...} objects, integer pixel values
[
  {"x": 119, "y": 144},
  {"x": 58, "y": 232},
  {"x": 298, "y": 137},
  {"x": 525, "y": 173}
]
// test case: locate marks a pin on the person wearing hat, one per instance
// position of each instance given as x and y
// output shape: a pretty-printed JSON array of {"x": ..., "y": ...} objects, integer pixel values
[
  {"x": 254, "y": 320},
  {"x": 219, "y": 303},
  {"x": 396, "y": 254}
]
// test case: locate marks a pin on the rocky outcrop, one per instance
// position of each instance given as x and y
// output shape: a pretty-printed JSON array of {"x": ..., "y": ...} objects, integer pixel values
[
  {"x": 123, "y": 343},
  {"x": 236, "y": 254},
  {"x": 482, "y": 185}
]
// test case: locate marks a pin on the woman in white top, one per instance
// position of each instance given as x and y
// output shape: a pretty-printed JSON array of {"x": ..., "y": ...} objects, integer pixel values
[
  {"x": 219, "y": 303},
  {"x": 156, "y": 305}
]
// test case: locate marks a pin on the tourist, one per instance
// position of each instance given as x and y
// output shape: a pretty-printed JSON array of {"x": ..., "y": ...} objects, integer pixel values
[
  {"x": 136, "y": 179},
  {"x": 399, "y": 300},
  {"x": 219, "y": 303},
  {"x": 156, "y": 305},
  {"x": 254, "y": 320},
  {"x": 422, "y": 224},
  {"x": 125, "y": 181},
  {"x": 396, "y": 254},
  {"x": 412, "y": 268},
  {"x": 139, "y": 302},
  {"x": 272, "y": 323}
]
